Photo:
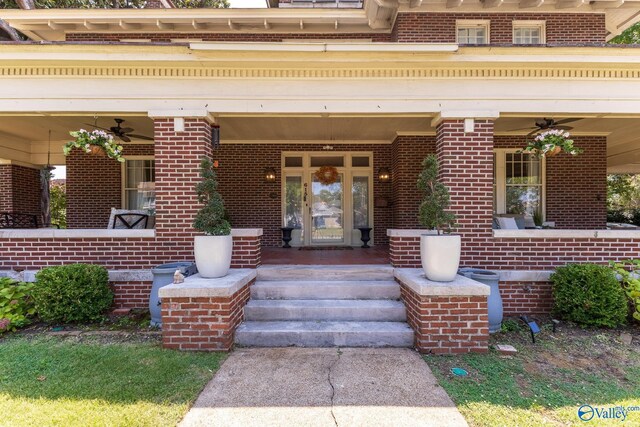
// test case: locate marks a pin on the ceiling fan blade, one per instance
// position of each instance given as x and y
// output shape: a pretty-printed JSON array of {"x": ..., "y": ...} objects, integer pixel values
[
  {"x": 125, "y": 138},
  {"x": 515, "y": 130},
  {"x": 563, "y": 121},
  {"x": 133, "y": 135},
  {"x": 532, "y": 133},
  {"x": 97, "y": 127},
  {"x": 126, "y": 130},
  {"x": 561, "y": 127}
]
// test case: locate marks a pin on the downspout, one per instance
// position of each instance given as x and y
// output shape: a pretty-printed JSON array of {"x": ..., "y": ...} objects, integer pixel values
[{"x": 26, "y": 4}]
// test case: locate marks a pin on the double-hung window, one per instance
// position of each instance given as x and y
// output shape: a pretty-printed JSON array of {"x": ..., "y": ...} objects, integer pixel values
[
  {"x": 472, "y": 31},
  {"x": 529, "y": 32},
  {"x": 138, "y": 183},
  {"x": 519, "y": 183}
]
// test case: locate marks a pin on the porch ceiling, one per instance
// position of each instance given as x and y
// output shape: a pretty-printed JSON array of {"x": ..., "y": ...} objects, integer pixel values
[{"x": 24, "y": 138}]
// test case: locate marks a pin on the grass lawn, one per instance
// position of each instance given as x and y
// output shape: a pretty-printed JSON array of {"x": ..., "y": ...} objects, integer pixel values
[
  {"x": 546, "y": 382},
  {"x": 79, "y": 382}
]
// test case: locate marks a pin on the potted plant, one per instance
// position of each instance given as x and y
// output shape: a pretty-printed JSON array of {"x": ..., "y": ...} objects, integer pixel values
[
  {"x": 97, "y": 143},
  {"x": 440, "y": 252},
  {"x": 552, "y": 142},
  {"x": 213, "y": 250}
]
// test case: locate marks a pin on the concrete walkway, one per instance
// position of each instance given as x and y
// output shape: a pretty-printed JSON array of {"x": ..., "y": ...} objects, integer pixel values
[{"x": 324, "y": 387}]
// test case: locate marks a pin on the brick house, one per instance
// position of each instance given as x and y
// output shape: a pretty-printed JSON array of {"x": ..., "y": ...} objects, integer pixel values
[{"x": 369, "y": 87}]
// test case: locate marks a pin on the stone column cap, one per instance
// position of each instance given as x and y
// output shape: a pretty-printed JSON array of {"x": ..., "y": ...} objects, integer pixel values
[
  {"x": 415, "y": 279},
  {"x": 197, "y": 286}
]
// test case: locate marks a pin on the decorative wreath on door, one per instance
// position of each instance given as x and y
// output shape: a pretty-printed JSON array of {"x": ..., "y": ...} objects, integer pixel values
[{"x": 327, "y": 175}]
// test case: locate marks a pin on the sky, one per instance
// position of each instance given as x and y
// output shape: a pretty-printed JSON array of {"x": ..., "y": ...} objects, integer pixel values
[{"x": 248, "y": 3}]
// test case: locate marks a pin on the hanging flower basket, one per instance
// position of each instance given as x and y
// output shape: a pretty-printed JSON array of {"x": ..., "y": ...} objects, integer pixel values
[
  {"x": 326, "y": 175},
  {"x": 96, "y": 143},
  {"x": 550, "y": 143}
]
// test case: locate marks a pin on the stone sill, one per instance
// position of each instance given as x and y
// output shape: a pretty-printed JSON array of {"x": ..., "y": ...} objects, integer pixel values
[
  {"x": 550, "y": 233},
  {"x": 197, "y": 286},
  {"x": 570, "y": 234},
  {"x": 79, "y": 233},
  {"x": 117, "y": 276},
  {"x": 461, "y": 286}
]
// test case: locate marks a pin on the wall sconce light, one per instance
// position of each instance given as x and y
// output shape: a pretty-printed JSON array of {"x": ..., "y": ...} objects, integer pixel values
[
  {"x": 384, "y": 175},
  {"x": 215, "y": 136},
  {"x": 269, "y": 175}
]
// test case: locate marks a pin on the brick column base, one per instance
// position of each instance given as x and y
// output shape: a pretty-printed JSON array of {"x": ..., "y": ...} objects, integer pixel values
[
  {"x": 202, "y": 323},
  {"x": 404, "y": 251},
  {"x": 448, "y": 318}
]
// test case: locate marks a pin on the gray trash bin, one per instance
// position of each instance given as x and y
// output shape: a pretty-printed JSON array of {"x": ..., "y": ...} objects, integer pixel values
[
  {"x": 494, "y": 302},
  {"x": 163, "y": 276}
]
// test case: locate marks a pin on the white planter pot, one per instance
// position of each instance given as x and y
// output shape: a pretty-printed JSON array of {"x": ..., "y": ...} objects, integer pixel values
[
  {"x": 440, "y": 255},
  {"x": 213, "y": 255}
]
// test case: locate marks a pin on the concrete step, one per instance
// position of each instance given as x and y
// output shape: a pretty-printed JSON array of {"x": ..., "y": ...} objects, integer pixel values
[
  {"x": 324, "y": 334},
  {"x": 325, "y": 272},
  {"x": 323, "y": 290},
  {"x": 329, "y": 310}
]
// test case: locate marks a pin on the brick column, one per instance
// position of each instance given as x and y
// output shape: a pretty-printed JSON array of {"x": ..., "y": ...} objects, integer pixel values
[
  {"x": 20, "y": 189},
  {"x": 178, "y": 155},
  {"x": 466, "y": 168}
]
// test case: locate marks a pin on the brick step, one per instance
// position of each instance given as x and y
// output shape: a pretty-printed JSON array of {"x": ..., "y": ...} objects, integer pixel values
[
  {"x": 325, "y": 290},
  {"x": 328, "y": 310},
  {"x": 325, "y": 272},
  {"x": 324, "y": 334}
]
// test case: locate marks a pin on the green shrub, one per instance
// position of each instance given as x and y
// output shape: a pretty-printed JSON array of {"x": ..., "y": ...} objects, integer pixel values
[
  {"x": 16, "y": 304},
  {"x": 72, "y": 293},
  {"x": 627, "y": 272},
  {"x": 589, "y": 295}
]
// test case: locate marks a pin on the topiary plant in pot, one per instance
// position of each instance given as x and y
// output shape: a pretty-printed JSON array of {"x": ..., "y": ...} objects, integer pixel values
[
  {"x": 440, "y": 252},
  {"x": 213, "y": 250}
]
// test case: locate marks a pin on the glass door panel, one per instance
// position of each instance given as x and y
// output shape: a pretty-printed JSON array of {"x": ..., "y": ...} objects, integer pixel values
[
  {"x": 293, "y": 208},
  {"x": 327, "y": 215},
  {"x": 360, "y": 192}
]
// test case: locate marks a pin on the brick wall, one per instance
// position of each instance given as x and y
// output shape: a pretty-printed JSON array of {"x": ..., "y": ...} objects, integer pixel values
[
  {"x": 447, "y": 324},
  {"x": 94, "y": 186},
  {"x": 131, "y": 294},
  {"x": 20, "y": 190},
  {"x": 407, "y": 155},
  {"x": 535, "y": 253},
  {"x": 252, "y": 202},
  {"x": 226, "y": 37},
  {"x": 526, "y": 298},
  {"x": 203, "y": 323},
  {"x": 561, "y": 28},
  {"x": 575, "y": 186}
]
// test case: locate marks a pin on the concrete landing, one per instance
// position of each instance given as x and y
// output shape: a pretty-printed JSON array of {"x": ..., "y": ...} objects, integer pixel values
[{"x": 324, "y": 387}]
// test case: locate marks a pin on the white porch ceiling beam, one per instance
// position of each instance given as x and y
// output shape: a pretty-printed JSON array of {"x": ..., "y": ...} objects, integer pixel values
[
  {"x": 452, "y": 4},
  {"x": 528, "y": 4},
  {"x": 569, "y": 4},
  {"x": 488, "y": 4},
  {"x": 164, "y": 25}
]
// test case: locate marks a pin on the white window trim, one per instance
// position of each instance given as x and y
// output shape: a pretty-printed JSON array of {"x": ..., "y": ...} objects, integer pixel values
[
  {"x": 501, "y": 186},
  {"x": 530, "y": 24},
  {"x": 123, "y": 177},
  {"x": 474, "y": 23}
]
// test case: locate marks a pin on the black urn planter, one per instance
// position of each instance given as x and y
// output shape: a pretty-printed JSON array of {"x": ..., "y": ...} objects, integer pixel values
[
  {"x": 365, "y": 236},
  {"x": 286, "y": 236}
]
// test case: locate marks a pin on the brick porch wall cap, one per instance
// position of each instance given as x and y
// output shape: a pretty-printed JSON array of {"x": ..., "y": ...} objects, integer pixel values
[
  {"x": 409, "y": 233},
  {"x": 461, "y": 286},
  {"x": 557, "y": 233},
  {"x": 51, "y": 233},
  {"x": 114, "y": 275},
  {"x": 197, "y": 286}
]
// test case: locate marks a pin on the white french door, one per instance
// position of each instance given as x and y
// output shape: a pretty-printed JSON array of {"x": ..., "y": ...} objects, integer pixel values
[{"x": 327, "y": 214}]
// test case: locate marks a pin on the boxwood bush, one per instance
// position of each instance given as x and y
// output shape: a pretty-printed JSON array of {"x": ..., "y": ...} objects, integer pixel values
[
  {"x": 589, "y": 295},
  {"x": 72, "y": 293}
]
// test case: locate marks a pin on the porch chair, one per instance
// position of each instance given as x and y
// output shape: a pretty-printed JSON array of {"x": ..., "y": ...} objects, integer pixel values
[
  {"x": 18, "y": 220},
  {"x": 125, "y": 219},
  {"x": 513, "y": 221}
]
